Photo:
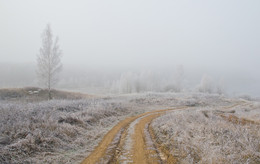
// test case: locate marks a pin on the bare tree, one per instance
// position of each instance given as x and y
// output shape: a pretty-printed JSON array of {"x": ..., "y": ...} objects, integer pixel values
[
  {"x": 49, "y": 60},
  {"x": 206, "y": 84}
]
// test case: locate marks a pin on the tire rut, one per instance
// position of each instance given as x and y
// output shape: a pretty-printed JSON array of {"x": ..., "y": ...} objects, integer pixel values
[{"x": 130, "y": 141}]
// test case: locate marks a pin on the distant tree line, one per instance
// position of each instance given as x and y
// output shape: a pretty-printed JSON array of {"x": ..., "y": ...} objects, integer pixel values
[{"x": 147, "y": 81}]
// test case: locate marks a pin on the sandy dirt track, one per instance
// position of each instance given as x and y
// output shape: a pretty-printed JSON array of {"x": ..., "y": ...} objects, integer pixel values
[{"x": 131, "y": 141}]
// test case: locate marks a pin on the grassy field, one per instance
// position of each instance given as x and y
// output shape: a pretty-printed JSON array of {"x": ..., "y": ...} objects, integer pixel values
[
  {"x": 68, "y": 128},
  {"x": 212, "y": 134}
]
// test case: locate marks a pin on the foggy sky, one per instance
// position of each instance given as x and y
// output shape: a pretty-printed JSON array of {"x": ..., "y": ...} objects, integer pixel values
[{"x": 221, "y": 36}]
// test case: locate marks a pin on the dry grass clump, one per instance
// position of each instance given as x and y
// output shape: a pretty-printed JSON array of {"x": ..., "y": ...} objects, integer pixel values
[
  {"x": 202, "y": 136},
  {"x": 248, "y": 111},
  {"x": 48, "y": 130}
]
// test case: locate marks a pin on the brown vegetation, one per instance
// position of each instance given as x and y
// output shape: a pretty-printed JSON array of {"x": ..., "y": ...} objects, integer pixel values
[{"x": 37, "y": 94}]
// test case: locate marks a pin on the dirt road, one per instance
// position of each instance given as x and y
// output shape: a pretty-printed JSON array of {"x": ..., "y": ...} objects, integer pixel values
[{"x": 131, "y": 141}]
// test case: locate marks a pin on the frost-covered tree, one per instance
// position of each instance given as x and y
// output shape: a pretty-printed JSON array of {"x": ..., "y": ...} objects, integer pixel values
[
  {"x": 127, "y": 83},
  {"x": 131, "y": 82},
  {"x": 206, "y": 84},
  {"x": 49, "y": 60}
]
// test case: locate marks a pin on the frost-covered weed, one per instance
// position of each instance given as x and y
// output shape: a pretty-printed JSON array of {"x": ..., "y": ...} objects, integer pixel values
[
  {"x": 31, "y": 131},
  {"x": 202, "y": 136},
  {"x": 249, "y": 111},
  {"x": 66, "y": 131}
]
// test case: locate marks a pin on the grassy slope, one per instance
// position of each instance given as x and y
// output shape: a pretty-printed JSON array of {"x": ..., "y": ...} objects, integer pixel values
[
  {"x": 212, "y": 134},
  {"x": 37, "y": 94}
]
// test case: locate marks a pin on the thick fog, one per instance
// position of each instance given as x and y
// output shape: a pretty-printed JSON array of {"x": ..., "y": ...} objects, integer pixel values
[{"x": 153, "y": 44}]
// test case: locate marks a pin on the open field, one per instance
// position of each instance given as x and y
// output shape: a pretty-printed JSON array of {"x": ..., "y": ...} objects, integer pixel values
[
  {"x": 212, "y": 134},
  {"x": 122, "y": 82},
  {"x": 68, "y": 131}
]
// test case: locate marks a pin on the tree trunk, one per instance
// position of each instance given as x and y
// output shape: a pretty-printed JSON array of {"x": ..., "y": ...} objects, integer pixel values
[{"x": 49, "y": 93}]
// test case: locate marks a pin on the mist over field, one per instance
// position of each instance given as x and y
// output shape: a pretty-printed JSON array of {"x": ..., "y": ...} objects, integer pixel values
[
  {"x": 100, "y": 81},
  {"x": 101, "y": 40},
  {"x": 138, "y": 81}
]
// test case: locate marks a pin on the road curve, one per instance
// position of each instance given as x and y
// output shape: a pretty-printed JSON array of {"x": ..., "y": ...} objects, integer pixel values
[{"x": 131, "y": 141}]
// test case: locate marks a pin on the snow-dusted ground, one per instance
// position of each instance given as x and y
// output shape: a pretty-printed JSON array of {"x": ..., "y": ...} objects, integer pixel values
[
  {"x": 212, "y": 134},
  {"x": 66, "y": 131}
]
